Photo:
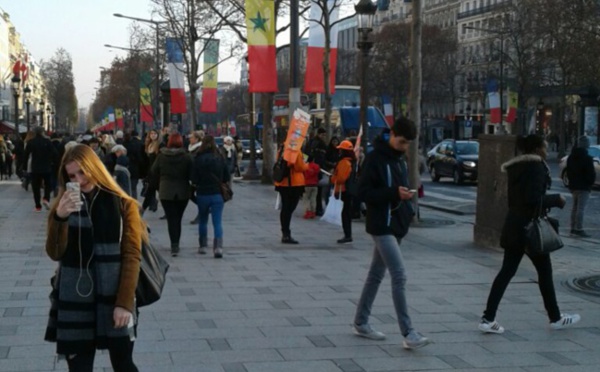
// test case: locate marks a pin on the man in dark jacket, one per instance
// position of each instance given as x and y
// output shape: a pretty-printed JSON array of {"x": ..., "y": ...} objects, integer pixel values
[
  {"x": 136, "y": 156},
  {"x": 581, "y": 175},
  {"x": 43, "y": 155},
  {"x": 317, "y": 150},
  {"x": 383, "y": 187}
]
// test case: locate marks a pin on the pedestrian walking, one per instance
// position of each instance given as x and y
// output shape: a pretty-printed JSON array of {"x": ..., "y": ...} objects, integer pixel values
[
  {"x": 42, "y": 154},
  {"x": 152, "y": 148},
  {"x": 528, "y": 179},
  {"x": 383, "y": 187},
  {"x": 239, "y": 150},
  {"x": 230, "y": 155},
  {"x": 193, "y": 148},
  {"x": 4, "y": 155},
  {"x": 121, "y": 169},
  {"x": 208, "y": 173},
  {"x": 96, "y": 237},
  {"x": 173, "y": 168},
  {"x": 582, "y": 176},
  {"x": 317, "y": 150},
  {"x": 311, "y": 180},
  {"x": 136, "y": 157},
  {"x": 290, "y": 191},
  {"x": 344, "y": 181}
]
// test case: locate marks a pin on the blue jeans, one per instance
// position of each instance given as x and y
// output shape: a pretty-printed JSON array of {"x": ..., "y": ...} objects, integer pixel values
[
  {"x": 212, "y": 204},
  {"x": 385, "y": 255},
  {"x": 580, "y": 199}
]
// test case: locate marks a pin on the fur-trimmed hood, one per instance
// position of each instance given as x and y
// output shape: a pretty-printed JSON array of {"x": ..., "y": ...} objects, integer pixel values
[{"x": 521, "y": 159}]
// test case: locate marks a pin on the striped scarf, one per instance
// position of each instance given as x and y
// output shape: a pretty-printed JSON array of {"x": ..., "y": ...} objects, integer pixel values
[{"x": 86, "y": 284}]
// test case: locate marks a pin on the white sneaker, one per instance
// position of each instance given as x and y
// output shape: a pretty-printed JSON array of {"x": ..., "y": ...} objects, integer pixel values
[
  {"x": 566, "y": 320},
  {"x": 490, "y": 327},
  {"x": 415, "y": 340},
  {"x": 366, "y": 331}
]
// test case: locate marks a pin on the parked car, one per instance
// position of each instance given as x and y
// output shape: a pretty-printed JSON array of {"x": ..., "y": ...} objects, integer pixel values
[
  {"x": 455, "y": 159},
  {"x": 246, "y": 149},
  {"x": 594, "y": 152}
]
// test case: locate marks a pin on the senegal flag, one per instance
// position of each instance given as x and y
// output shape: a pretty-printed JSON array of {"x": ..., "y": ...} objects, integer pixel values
[
  {"x": 146, "y": 115},
  {"x": 209, "y": 85},
  {"x": 260, "y": 21}
]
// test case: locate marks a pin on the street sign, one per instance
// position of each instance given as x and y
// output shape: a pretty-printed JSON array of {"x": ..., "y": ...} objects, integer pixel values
[{"x": 468, "y": 128}]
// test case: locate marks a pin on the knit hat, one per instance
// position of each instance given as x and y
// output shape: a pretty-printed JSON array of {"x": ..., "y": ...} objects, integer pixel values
[
  {"x": 583, "y": 142},
  {"x": 119, "y": 134},
  {"x": 345, "y": 145},
  {"x": 116, "y": 148}
]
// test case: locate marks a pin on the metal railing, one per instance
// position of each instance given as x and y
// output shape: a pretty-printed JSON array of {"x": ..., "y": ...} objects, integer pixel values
[{"x": 483, "y": 9}]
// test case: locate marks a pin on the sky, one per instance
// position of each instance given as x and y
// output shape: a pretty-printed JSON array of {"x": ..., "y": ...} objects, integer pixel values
[{"x": 82, "y": 27}]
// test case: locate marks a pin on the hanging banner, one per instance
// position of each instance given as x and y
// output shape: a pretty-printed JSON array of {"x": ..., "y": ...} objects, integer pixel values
[
  {"x": 314, "y": 80},
  {"x": 262, "y": 68},
  {"x": 175, "y": 67},
  {"x": 210, "y": 82},
  {"x": 146, "y": 114}
]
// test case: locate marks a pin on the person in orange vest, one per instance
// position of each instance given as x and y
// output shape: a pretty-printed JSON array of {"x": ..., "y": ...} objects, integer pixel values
[
  {"x": 344, "y": 181},
  {"x": 290, "y": 190}
]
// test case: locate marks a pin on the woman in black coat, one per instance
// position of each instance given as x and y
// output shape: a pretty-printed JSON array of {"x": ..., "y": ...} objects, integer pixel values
[{"x": 528, "y": 180}]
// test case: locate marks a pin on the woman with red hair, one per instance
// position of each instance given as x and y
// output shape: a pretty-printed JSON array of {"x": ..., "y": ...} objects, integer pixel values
[{"x": 173, "y": 168}]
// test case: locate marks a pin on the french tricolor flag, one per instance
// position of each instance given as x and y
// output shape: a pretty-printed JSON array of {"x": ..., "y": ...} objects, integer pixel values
[
  {"x": 494, "y": 100},
  {"x": 175, "y": 66},
  {"x": 388, "y": 110},
  {"x": 314, "y": 81}
]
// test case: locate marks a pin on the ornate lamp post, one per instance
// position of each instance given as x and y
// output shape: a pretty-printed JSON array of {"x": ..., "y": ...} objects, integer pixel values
[
  {"x": 41, "y": 112},
  {"x": 16, "y": 84},
  {"x": 26, "y": 94},
  {"x": 48, "y": 109},
  {"x": 54, "y": 125},
  {"x": 365, "y": 11}
]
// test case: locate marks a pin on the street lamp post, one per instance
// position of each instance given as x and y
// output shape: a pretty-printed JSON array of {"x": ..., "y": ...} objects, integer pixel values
[
  {"x": 26, "y": 94},
  {"x": 501, "y": 33},
  {"x": 41, "y": 113},
  {"x": 365, "y": 11},
  {"x": 16, "y": 83},
  {"x": 156, "y": 25},
  {"x": 54, "y": 124},
  {"x": 48, "y": 109}
]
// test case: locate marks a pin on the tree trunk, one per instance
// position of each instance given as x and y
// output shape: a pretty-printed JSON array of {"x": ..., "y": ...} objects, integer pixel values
[{"x": 415, "y": 98}]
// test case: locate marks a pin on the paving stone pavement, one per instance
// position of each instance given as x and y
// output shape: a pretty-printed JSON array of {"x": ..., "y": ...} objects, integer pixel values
[{"x": 268, "y": 307}]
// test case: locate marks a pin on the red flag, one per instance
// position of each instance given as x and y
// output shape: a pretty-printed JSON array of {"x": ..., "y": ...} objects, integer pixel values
[{"x": 314, "y": 80}]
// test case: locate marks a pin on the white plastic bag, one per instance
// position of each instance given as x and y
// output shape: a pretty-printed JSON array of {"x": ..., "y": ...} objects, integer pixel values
[
  {"x": 278, "y": 202},
  {"x": 333, "y": 212}
]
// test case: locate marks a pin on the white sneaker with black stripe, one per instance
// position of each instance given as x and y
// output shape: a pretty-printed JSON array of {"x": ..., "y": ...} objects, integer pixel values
[
  {"x": 490, "y": 327},
  {"x": 566, "y": 320}
]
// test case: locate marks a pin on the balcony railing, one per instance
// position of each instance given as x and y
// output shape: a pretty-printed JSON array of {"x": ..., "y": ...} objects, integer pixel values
[{"x": 483, "y": 9}]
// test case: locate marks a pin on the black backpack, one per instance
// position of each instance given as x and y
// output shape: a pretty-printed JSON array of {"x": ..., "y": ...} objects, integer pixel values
[{"x": 280, "y": 168}]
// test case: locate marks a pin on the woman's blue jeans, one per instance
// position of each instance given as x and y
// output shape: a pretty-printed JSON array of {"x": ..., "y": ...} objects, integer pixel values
[
  {"x": 212, "y": 204},
  {"x": 385, "y": 255}
]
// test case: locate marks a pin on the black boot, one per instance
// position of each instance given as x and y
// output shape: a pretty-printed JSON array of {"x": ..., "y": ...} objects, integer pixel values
[
  {"x": 287, "y": 239},
  {"x": 174, "y": 249}
]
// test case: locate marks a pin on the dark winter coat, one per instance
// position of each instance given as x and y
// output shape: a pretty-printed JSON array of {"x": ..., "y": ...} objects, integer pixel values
[
  {"x": 102, "y": 242},
  {"x": 43, "y": 154},
  {"x": 122, "y": 175},
  {"x": 580, "y": 170},
  {"x": 136, "y": 156},
  {"x": 208, "y": 172},
  {"x": 528, "y": 180},
  {"x": 383, "y": 201},
  {"x": 173, "y": 168}
]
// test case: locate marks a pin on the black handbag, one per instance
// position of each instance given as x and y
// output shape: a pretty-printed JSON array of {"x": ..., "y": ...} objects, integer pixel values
[
  {"x": 542, "y": 235},
  {"x": 153, "y": 274}
]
